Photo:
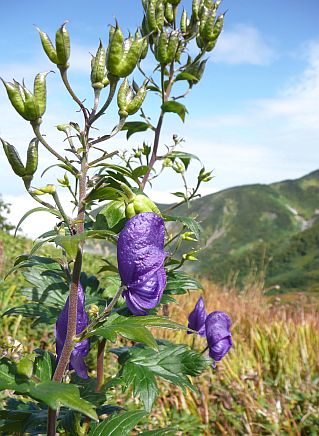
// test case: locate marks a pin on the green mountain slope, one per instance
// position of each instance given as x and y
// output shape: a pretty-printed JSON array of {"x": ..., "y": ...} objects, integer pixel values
[{"x": 267, "y": 228}]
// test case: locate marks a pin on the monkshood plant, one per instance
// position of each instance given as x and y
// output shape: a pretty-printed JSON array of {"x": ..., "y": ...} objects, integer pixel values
[{"x": 62, "y": 392}]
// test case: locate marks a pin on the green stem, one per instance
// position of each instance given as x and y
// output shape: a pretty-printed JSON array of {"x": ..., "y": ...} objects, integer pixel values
[
  {"x": 64, "y": 76},
  {"x": 112, "y": 90},
  {"x": 61, "y": 210},
  {"x": 37, "y": 132},
  {"x": 165, "y": 97}
]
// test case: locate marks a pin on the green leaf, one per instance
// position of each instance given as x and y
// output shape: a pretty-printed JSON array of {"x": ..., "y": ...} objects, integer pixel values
[
  {"x": 188, "y": 222},
  {"x": 135, "y": 127},
  {"x": 36, "y": 209},
  {"x": 184, "y": 157},
  {"x": 118, "y": 424},
  {"x": 186, "y": 76},
  {"x": 173, "y": 363},
  {"x": 44, "y": 364},
  {"x": 140, "y": 171},
  {"x": 179, "y": 283},
  {"x": 179, "y": 194},
  {"x": 56, "y": 394},
  {"x": 134, "y": 328},
  {"x": 71, "y": 243},
  {"x": 143, "y": 382},
  {"x": 176, "y": 107},
  {"x": 103, "y": 193},
  {"x": 9, "y": 379},
  {"x": 114, "y": 212}
]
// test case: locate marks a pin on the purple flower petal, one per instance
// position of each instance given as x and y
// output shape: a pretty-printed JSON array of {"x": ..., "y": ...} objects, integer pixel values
[
  {"x": 218, "y": 334},
  {"x": 146, "y": 294},
  {"x": 81, "y": 349},
  {"x": 196, "y": 319},
  {"x": 141, "y": 255}
]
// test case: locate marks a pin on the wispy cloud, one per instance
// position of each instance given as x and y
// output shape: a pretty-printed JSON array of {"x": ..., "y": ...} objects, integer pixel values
[{"x": 243, "y": 45}]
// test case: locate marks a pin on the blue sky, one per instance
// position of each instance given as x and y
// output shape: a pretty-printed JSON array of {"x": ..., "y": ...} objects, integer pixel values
[{"x": 254, "y": 118}]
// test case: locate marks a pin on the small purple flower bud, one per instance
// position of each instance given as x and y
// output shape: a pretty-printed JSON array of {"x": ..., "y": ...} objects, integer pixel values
[
  {"x": 218, "y": 334},
  {"x": 82, "y": 348},
  {"x": 196, "y": 319},
  {"x": 141, "y": 256}
]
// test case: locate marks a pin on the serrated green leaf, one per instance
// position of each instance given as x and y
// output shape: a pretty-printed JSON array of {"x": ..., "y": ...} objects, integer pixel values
[
  {"x": 175, "y": 107},
  {"x": 56, "y": 394},
  {"x": 179, "y": 283},
  {"x": 173, "y": 363},
  {"x": 118, "y": 424},
  {"x": 143, "y": 382},
  {"x": 134, "y": 328}
]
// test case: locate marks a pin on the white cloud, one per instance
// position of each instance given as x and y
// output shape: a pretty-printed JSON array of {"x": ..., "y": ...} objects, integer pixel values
[{"x": 243, "y": 45}]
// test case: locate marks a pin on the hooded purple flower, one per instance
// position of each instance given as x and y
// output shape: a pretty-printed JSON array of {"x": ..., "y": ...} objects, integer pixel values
[
  {"x": 218, "y": 334},
  {"x": 140, "y": 255},
  {"x": 196, "y": 319},
  {"x": 81, "y": 349}
]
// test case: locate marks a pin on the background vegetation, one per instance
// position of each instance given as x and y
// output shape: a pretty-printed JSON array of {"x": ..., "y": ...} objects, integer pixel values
[{"x": 267, "y": 384}]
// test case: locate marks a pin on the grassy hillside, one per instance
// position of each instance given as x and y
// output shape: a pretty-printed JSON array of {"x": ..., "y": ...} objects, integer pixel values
[{"x": 261, "y": 230}]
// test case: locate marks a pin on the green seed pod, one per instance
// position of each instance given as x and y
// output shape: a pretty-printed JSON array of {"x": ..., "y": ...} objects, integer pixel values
[
  {"x": 137, "y": 101},
  {"x": 122, "y": 97},
  {"x": 132, "y": 57},
  {"x": 183, "y": 23},
  {"x": 123, "y": 56},
  {"x": 16, "y": 97},
  {"x": 204, "y": 14},
  {"x": 32, "y": 157},
  {"x": 160, "y": 15},
  {"x": 210, "y": 46},
  {"x": 174, "y": 2},
  {"x": 161, "y": 48},
  {"x": 48, "y": 46},
  {"x": 218, "y": 27},
  {"x": 151, "y": 16},
  {"x": 199, "y": 41},
  {"x": 31, "y": 109},
  {"x": 208, "y": 30},
  {"x": 98, "y": 68},
  {"x": 127, "y": 102},
  {"x": 169, "y": 13},
  {"x": 40, "y": 92},
  {"x": 13, "y": 158},
  {"x": 144, "y": 49},
  {"x": 195, "y": 9},
  {"x": 62, "y": 44},
  {"x": 172, "y": 46}
]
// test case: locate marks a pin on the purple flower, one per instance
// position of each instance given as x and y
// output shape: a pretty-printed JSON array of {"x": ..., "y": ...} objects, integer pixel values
[
  {"x": 81, "y": 349},
  {"x": 141, "y": 255},
  {"x": 196, "y": 319},
  {"x": 218, "y": 334}
]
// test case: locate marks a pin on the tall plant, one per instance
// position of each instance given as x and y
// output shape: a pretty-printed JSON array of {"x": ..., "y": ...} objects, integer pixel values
[{"x": 148, "y": 269}]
